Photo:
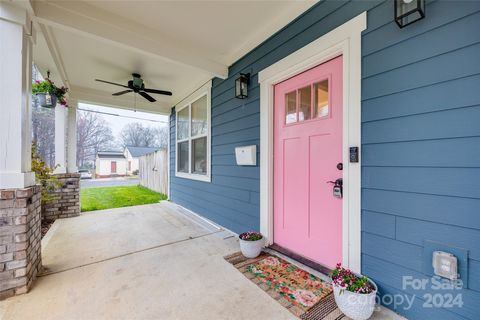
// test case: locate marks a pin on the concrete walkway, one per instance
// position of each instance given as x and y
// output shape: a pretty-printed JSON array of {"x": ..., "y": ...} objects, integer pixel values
[{"x": 145, "y": 262}]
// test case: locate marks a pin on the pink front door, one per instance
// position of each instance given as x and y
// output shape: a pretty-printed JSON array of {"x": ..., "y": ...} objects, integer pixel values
[{"x": 307, "y": 150}]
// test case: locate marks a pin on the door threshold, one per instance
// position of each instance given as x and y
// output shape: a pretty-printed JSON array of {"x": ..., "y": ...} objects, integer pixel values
[{"x": 301, "y": 259}]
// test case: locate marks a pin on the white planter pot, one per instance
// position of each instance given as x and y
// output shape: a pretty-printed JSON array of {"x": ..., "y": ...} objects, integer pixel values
[
  {"x": 357, "y": 306},
  {"x": 251, "y": 249}
]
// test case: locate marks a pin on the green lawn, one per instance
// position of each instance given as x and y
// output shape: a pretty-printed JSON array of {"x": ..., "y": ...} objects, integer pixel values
[{"x": 115, "y": 197}]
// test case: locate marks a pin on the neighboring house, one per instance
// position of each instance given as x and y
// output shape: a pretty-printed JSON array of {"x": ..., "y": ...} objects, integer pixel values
[
  {"x": 343, "y": 92},
  {"x": 110, "y": 164},
  {"x": 133, "y": 154}
]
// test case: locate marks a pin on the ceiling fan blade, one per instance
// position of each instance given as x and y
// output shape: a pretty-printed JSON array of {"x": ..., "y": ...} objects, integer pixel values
[
  {"x": 167, "y": 93},
  {"x": 147, "y": 96},
  {"x": 121, "y": 92},
  {"x": 115, "y": 84}
]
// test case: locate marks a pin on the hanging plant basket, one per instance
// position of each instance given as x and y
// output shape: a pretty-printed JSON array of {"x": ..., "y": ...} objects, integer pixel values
[
  {"x": 46, "y": 100},
  {"x": 47, "y": 94}
]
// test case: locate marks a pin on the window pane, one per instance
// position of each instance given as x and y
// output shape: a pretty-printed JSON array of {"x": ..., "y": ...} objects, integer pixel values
[
  {"x": 199, "y": 116},
  {"x": 182, "y": 124},
  {"x": 305, "y": 103},
  {"x": 291, "y": 107},
  {"x": 199, "y": 159},
  {"x": 320, "y": 108},
  {"x": 182, "y": 157}
]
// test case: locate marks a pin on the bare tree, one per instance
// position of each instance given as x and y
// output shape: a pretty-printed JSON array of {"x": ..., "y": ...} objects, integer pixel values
[
  {"x": 138, "y": 135},
  {"x": 93, "y": 134},
  {"x": 43, "y": 133},
  {"x": 162, "y": 136},
  {"x": 149, "y": 137},
  {"x": 132, "y": 134}
]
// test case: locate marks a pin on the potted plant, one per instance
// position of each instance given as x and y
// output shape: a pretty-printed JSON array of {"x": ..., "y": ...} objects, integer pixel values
[
  {"x": 354, "y": 294},
  {"x": 251, "y": 244},
  {"x": 48, "y": 94}
]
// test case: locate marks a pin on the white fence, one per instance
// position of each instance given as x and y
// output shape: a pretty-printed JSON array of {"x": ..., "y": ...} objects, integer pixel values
[{"x": 153, "y": 171}]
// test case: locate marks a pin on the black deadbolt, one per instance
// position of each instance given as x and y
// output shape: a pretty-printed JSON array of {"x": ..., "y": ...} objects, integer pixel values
[{"x": 340, "y": 166}]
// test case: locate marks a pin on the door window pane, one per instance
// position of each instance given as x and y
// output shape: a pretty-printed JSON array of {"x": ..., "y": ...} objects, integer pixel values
[
  {"x": 199, "y": 152},
  {"x": 291, "y": 107},
  {"x": 182, "y": 121},
  {"x": 320, "y": 107},
  {"x": 305, "y": 103},
  {"x": 199, "y": 116},
  {"x": 182, "y": 157}
]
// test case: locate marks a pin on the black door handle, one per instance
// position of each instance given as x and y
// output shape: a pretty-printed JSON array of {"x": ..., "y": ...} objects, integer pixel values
[{"x": 338, "y": 182}]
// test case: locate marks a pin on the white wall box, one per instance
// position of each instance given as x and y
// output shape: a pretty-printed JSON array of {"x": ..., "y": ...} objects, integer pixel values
[{"x": 246, "y": 156}]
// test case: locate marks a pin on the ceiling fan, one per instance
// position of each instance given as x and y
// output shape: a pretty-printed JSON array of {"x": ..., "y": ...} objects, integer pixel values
[{"x": 136, "y": 85}]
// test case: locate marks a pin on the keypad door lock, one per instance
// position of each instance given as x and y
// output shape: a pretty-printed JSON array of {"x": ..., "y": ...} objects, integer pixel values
[{"x": 337, "y": 188}]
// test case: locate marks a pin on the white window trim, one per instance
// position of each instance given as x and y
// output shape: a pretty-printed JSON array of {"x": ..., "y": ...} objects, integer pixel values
[
  {"x": 204, "y": 90},
  {"x": 346, "y": 41}
]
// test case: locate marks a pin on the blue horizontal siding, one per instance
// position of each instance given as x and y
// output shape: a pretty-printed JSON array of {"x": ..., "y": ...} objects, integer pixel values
[
  {"x": 238, "y": 135},
  {"x": 414, "y": 50},
  {"x": 437, "y": 97},
  {"x": 445, "y": 67},
  {"x": 397, "y": 252},
  {"x": 235, "y": 171},
  {"x": 456, "y": 123},
  {"x": 474, "y": 275},
  {"x": 416, "y": 232},
  {"x": 389, "y": 278},
  {"x": 420, "y": 141},
  {"x": 440, "y": 13},
  {"x": 456, "y": 152},
  {"x": 459, "y": 182},
  {"x": 378, "y": 223},
  {"x": 247, "y": 122},
  {"x": 233, "y": 115},
  {"x": 422, "y": 206}
]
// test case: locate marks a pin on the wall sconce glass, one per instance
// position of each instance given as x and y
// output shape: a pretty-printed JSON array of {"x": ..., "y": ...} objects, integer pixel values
[
  {"x": 241, "y": 86},
  {"x": 409, "y": 11}
]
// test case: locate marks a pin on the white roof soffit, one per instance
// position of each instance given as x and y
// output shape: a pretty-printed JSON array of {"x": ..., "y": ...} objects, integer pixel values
[
  {"x": 175, "y": 45},
  {"x": 79, "y": 17}
]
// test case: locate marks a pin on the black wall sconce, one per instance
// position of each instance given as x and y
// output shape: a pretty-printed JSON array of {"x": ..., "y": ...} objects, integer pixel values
[
  {"x": 241, "y": 86},
  {"x": 409, "y": 11}
]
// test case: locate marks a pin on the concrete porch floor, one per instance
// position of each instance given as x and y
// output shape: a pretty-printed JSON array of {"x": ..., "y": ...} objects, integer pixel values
[{"x": 145, "y": 262}]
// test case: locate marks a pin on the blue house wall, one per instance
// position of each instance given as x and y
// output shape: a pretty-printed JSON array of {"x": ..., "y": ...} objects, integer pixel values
[{"x": 420, "y": 144}]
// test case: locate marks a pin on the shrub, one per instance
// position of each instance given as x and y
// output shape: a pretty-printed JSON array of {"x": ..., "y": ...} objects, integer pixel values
[{"x": 43, "y": 176}]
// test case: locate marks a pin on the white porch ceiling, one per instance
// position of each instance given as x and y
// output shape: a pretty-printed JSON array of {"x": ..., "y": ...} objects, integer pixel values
[{"x": 174, "y": 45}]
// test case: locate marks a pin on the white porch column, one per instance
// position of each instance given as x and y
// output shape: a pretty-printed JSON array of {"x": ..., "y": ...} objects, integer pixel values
[
  {"x": 60, "y": 139},
  {"x": 72, "y": 137},
  {"x": 16, "y": 42}
]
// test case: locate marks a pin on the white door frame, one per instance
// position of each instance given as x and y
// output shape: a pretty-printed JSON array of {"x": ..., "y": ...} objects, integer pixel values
[{"x": 346, "y": 41}]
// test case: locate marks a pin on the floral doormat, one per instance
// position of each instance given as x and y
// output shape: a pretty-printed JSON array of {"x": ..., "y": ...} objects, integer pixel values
[{"x": 302, "y": 293}]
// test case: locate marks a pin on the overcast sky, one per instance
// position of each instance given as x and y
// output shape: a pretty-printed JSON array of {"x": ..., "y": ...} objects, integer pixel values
[{"x": 121, "y": 117}]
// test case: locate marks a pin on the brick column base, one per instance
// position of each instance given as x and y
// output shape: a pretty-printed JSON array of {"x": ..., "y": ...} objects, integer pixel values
[
  {"x": 66, "y": 199},
  {"x": 20, "y": 237}
]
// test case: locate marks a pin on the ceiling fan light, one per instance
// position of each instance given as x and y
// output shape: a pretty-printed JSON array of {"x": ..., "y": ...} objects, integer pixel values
[
  {"x": 137, "y": 86},
  {"x": 137, "y": 82}
]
